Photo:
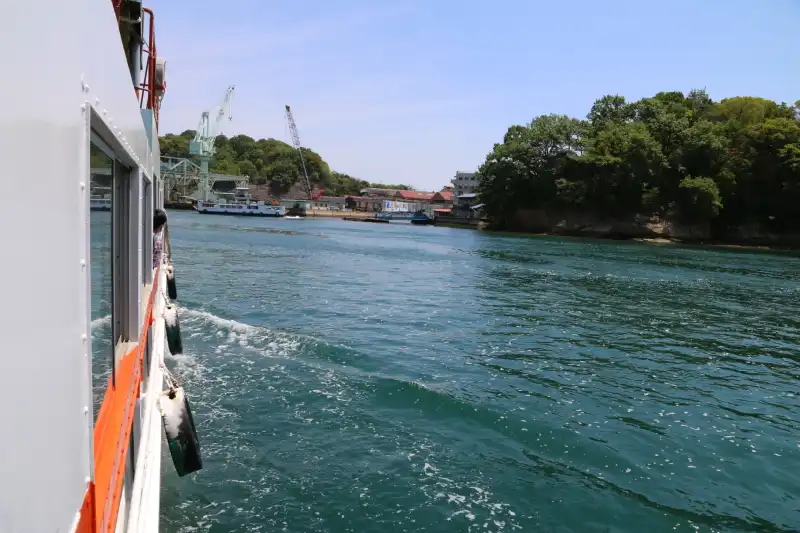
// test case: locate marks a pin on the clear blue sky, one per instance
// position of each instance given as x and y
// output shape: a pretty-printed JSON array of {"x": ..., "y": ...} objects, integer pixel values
[{"x": 410, "y": 91}]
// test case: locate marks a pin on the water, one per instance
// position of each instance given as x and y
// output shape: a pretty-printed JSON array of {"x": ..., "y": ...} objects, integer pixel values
[{"x": 390, "y": 378}]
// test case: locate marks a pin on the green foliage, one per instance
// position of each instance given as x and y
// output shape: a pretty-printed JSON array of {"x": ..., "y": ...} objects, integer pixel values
[
  {"x": 269, "y": 161},
  {"x": 399, "y": 187},
  {"x": 724, "y": 163},
  {"x": 345, "y": 185},
  {"x": 700, "y": 199},
  {"x": 283, "y": 173}
]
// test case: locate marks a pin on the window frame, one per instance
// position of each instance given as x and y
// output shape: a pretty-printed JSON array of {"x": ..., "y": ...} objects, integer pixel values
[
  {"x": 147, "y": 229},
  {"x": 132, "y": 199},
  {"x": 97, "y": 142},
  {"x": 128, "y": 248}
]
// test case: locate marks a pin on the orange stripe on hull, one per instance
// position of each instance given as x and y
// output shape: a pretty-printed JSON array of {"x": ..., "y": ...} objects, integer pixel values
[
  {"x": 112, "y": 434},
  {"x": 86, "y": 520}
]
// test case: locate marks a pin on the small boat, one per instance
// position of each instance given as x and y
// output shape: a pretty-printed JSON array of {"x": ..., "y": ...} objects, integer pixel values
[
  {"x": 421, "y": 219},
  {"x": 293, "y": 217},
  {"x": 377, "y": 220}
]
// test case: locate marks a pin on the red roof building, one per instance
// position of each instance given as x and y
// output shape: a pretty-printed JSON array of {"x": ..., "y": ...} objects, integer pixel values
[
  {"x": 414, "y": 196},
  {"x": 442, "y": 197}
]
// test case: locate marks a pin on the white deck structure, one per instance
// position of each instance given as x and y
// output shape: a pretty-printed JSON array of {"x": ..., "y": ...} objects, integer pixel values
[
  {"x": 239, "y": 203},
  {"x": 253, "y": 209},
  {"x": 70, "y": 92}
]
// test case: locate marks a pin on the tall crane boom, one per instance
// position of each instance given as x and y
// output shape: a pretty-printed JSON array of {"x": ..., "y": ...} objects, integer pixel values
[
  {"x": 296, "y": 142},
  {"x": 203, "y": 143},
  {"x": 207, "y": 131}
]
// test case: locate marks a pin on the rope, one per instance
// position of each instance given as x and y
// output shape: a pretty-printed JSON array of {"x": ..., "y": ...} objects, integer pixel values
[{"x": 171, "y": 381}]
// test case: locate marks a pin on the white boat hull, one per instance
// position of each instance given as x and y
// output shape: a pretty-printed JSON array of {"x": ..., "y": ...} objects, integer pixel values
[
  {"x": 102, "y": 204},
  {"x": 74, "y": 472},
  {"x": 244, "y": 210}
]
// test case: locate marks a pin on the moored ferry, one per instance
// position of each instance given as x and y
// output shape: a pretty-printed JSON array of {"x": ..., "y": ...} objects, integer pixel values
[
  {"x": 83, "y": 378},
  {"x": 252, "y": 209},
  {"x": 240, "y": 203},
  {"x": 100, "y": 203}
]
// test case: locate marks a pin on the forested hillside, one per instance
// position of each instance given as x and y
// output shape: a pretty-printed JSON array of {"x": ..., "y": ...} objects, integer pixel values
[
  {"x": 723, "y": 164},
  {"x": 269, "y": 162}
]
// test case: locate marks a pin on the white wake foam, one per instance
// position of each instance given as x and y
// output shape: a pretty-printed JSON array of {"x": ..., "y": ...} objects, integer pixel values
[{"x": 99, "y": 322}]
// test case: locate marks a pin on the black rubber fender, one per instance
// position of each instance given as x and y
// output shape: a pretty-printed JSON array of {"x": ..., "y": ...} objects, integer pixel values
[
  {"x": 173, "y": 330},
  {"x": 184, "y": 446},
  {"x": 172, "y": 289}
]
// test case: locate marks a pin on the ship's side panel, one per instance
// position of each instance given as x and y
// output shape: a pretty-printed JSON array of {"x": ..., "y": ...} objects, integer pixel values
[
  {"x": 67, "y": 75},
  {"x": 152, "y": 197}
]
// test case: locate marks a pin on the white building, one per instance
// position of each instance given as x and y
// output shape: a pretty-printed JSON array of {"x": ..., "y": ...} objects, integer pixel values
[
  {"x": 289, "y": 203},
  {"x": 331, "y": 203},
  {"x": 394, "y": 206},
  {"x": 465, "y": 183}
]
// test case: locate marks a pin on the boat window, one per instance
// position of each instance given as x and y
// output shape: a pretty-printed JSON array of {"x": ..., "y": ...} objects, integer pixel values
[
  {"x": 114, "y": 233},
  {"x": 125, "y": 222},
  {"x": 101, "y": 238},
  {"x": 147, "y": 226}
]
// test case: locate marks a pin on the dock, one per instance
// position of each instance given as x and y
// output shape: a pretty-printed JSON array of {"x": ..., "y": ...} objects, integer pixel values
[{"x": 366, "y": 219}]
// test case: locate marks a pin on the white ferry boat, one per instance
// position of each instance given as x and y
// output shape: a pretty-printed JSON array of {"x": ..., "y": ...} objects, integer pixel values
[
  {"x": 80, "y": 455},
  {"x": 252, "y": 209},
  {"x": 239, "y": 203},
  {"x": 99, "y": 198},
  {"x": 99, "y": 203}
]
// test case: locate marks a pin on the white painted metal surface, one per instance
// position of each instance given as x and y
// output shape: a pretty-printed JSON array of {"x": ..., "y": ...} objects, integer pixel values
[
  {"x": 69, "y": 77},
  {"x": 144, "y": 516}
]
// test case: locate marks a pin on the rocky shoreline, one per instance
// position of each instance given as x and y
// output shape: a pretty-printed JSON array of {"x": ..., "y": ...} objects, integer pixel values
[{"x": 643, "y": 229}]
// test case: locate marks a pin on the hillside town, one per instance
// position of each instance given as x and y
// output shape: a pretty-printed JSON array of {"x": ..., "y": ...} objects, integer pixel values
[{"x": 457, "y": 199}]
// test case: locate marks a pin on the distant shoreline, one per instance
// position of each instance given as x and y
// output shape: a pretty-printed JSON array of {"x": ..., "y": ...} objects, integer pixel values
[
  {"x": 660, "y": 241},
  {"x": 755, "y": 246}
]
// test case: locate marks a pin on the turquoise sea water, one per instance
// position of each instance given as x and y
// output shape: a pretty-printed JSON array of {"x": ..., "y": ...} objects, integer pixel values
[{"x": 391, "y": 378}]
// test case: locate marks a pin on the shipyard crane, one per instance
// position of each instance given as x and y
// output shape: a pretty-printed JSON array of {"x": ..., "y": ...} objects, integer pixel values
[
  {"x": 296, "y": 143},
  {"x": 203, "y": 143}
]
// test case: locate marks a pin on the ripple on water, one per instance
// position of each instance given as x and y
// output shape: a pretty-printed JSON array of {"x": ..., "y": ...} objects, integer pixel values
[{"x": 421, "y": 379}]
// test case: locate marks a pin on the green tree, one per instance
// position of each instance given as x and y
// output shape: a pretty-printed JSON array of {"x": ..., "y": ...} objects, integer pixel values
[
  {"x": 699, "y": 199},
  {"x": 724, "y": 163},
  {"x": 247, "y": 168},
  {"x": 282, "y": 174},
  {"x": 269, "y": 161},
  {"x": 524, "y": 170}
]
